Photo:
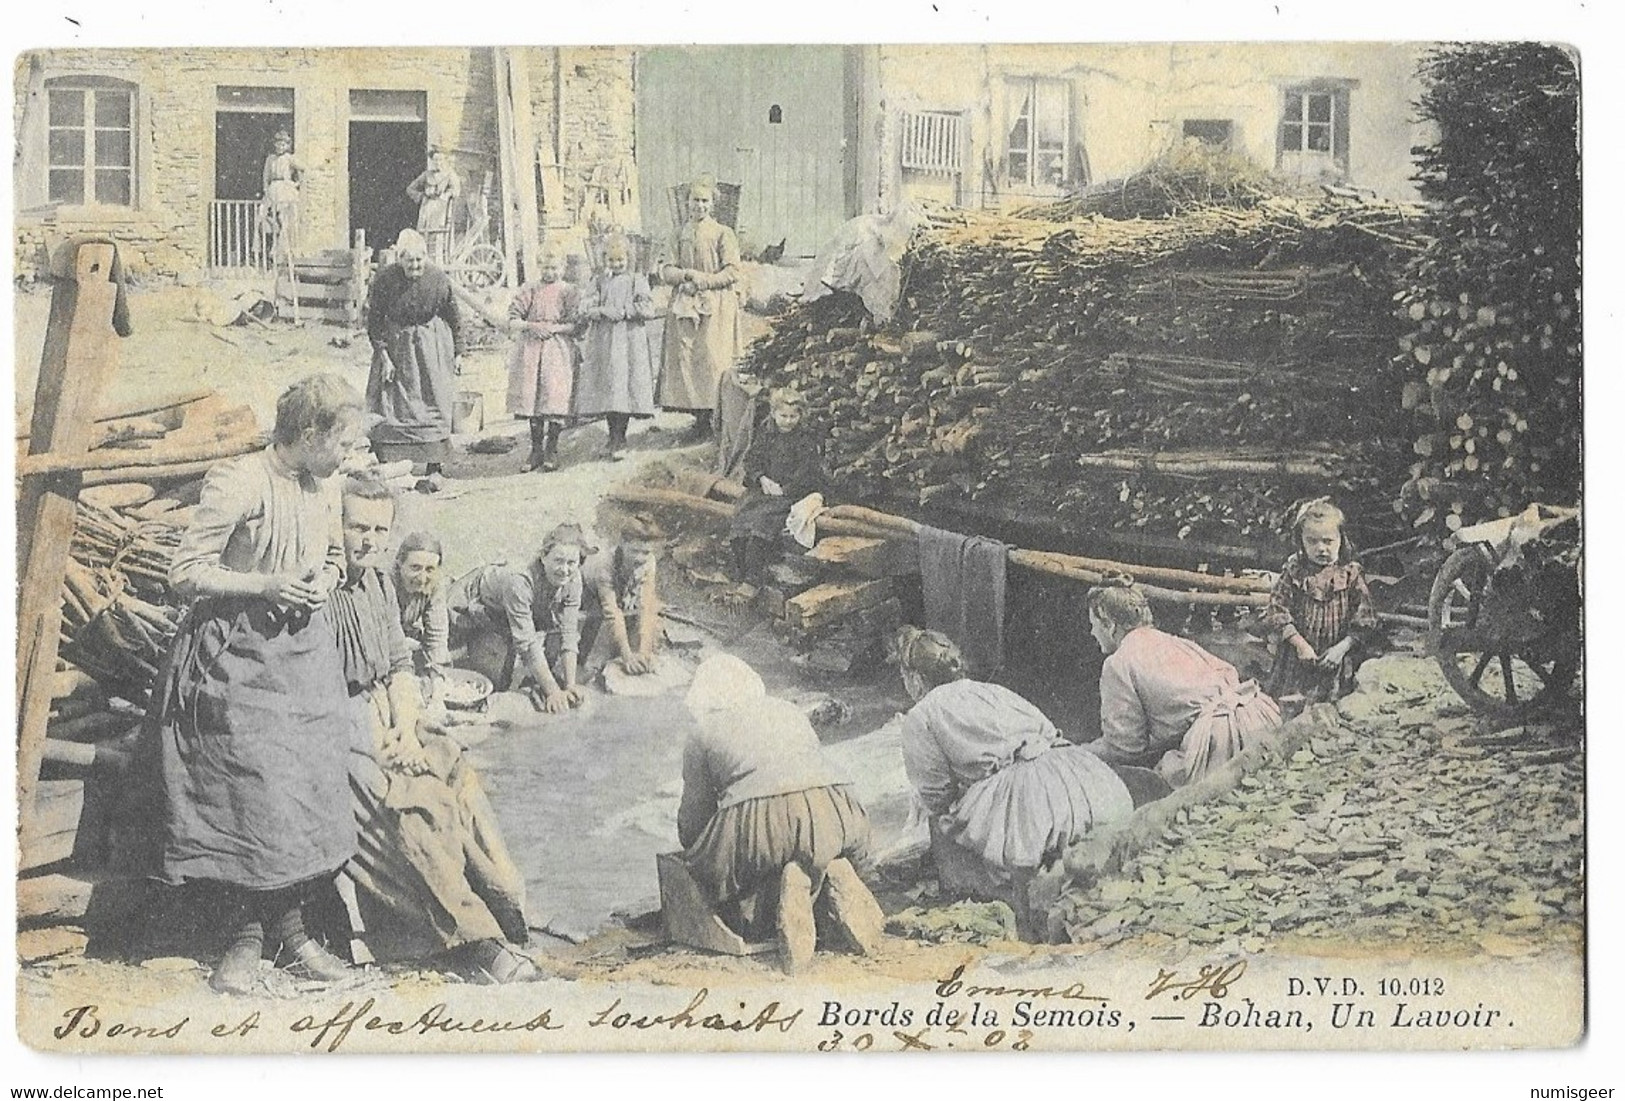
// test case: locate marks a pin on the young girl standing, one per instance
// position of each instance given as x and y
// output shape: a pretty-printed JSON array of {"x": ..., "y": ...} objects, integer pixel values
[
  {"x": 617, "y": 371},
  {"x": 1320, "y": 612},
  {"x": 541, "y": 368}
]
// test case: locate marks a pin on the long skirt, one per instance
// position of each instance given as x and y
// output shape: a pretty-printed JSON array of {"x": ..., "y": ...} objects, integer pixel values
[
  {"x": 617, "y": 371},
  {"x": 745, "y": 846},
  {"x": 1024, "y": 815},
  {"x": 541, "y": 373},
  {"x": 414, "y": 404},
  {"x": 432, "y": 871},
  {"x": 696, "y": 350},
  {"x": 1225, "y": 727},
  {"x": 251, "y": 724}
]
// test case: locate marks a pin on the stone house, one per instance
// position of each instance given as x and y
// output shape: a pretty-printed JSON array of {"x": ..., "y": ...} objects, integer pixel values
[
  {"x": 1007, "y": 125},
  {"x": 163, "y": 149}
]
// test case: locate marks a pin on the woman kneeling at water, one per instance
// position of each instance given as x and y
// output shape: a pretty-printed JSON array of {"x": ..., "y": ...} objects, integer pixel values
[
  {"x": 432, "y": 875},
  {"x": 1006, "y": 793},
  {"x": 1164, "y": 701},
  {"x": 763, "y": 814}
]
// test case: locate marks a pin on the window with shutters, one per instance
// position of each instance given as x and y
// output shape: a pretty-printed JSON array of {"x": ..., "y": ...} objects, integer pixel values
[
  {"x": 90, "y": 141},
  {"x": 1314, "y": 133},
  {"x": 933, "y": 142}
]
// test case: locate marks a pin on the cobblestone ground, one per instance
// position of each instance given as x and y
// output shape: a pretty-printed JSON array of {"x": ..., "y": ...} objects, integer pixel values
[{"x": 1408, "y": 822}]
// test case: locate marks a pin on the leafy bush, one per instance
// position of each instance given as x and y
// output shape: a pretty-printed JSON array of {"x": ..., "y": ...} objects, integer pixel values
[{"x": 1492, "y": 303}]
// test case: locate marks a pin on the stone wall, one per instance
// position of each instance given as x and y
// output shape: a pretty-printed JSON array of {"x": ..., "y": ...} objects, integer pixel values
[
  {"x": 164, "y": 232},
  {"x": 583, "y": 100}
]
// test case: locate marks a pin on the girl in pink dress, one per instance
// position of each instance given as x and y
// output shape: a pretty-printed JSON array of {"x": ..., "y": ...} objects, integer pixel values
[{"x": 541, "y": 368}]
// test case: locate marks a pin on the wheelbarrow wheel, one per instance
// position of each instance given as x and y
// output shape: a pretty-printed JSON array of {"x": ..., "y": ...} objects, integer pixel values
[
  {"x": 481, "y": 268},
  {"x": 1496, "y": 676}
]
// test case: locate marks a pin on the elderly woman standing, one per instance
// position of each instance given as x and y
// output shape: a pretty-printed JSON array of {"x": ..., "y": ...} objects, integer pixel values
[
  {"x": 1164, "y": 701},
  {"x": 702, "y": 327},
  {"x": 1005, "y": 791},
  {"x": 416, "y": 333},
  {"x": 250, "y": 716},
  {"x": 763, "y": 814}
]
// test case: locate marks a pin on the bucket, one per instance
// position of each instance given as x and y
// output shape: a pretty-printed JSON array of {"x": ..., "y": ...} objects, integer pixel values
[{"x": 468, "y": 412}]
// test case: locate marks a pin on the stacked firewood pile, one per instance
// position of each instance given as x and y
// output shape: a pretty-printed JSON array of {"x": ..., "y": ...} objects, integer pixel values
[
  {"x": 1191, "y": 376},
  {"x": 117, "y": 623}
]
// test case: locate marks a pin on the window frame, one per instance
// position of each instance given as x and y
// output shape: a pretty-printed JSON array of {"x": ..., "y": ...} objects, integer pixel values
[
  {"x": 1022, "y": 89},
  {"x": 1306, "y": 124},
  {"x": 90, "y": 164}
]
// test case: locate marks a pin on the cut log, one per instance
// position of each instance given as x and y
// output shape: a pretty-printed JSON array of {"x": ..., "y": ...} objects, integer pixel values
[
  {"x": 640, "y": 495},
  {"x": 95, "y": 727},
  {"x": 118, "y": 495},
  {"x": 68, "y": 898},
  {"x": 823, "y": 604},
  {"x": 865, "y": 624},
  {"x": 867, "y": 556},
  {"x": 59, "y": 807}
]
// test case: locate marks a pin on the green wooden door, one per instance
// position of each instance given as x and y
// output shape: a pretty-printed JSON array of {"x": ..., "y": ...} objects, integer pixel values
[{"x": 777, "y": 120}]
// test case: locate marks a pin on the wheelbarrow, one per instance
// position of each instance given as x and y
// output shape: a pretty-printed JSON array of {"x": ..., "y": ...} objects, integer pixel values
[{"x": 1504, "y": 615}]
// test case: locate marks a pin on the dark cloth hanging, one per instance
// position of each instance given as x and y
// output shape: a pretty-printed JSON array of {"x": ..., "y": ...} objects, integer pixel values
[{"x": 963, "y": 581}]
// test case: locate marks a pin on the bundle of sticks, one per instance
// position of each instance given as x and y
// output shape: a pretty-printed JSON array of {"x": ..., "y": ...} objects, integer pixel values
[
  {"x": 112, "y": 634},
  {"x": 141, "y": 552}
]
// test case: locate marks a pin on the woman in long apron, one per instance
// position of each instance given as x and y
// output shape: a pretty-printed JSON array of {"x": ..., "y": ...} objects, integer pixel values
[
  {"x": 416, "y": 332},
  {"x": 703, "y": 335},
  {"x": 251, "y": 715}
]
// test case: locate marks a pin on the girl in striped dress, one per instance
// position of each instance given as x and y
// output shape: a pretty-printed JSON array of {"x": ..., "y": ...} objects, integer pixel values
[{"x": 1320, "y": 614}]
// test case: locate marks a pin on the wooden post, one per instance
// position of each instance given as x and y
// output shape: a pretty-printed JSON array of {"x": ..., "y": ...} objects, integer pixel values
[
  {"x": 76, "y": 365},
  {"x": 516, "y": 144}
]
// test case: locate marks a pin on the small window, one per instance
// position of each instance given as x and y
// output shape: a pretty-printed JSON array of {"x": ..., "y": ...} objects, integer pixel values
[
  {"x": 1215, "y": 132},
  {"x": 1039, "y": 132},
  {"x": 775, "y": 114},
  {"x": 1314, "y": 134},
  {"x": 90, "y": 142}
]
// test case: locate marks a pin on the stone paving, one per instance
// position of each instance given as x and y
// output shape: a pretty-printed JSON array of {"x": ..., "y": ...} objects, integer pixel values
[{"x": 1409, "y": 820}]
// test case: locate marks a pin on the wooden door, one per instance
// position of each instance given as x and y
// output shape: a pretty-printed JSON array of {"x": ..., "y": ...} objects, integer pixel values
[{"x": 777, "y": 120}]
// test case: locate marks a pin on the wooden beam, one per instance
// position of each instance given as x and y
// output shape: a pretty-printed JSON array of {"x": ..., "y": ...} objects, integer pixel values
[
  {"x": 76, "y": 366},
  {"x": 132, "y": 461},
  {"x": 868, "y": 557},
  {"x": 516, "y": 146},
  {"x": 826, "y": 603}
]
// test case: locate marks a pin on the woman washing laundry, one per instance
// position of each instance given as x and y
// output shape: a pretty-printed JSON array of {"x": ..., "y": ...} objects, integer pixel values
[
  {"x": 1005, "y": 792},
  {"x": 768, "y": 830},
  {"x": 1165, "y": 702}
]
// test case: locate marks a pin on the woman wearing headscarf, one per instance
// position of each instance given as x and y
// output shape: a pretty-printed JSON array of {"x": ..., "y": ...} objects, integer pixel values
[
  {"x": 1165, "y": 702},
  {"x": 416, "y": 333},
  {"x": 1006, "y": 793},
  {"x": 768, "y": 829}
]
